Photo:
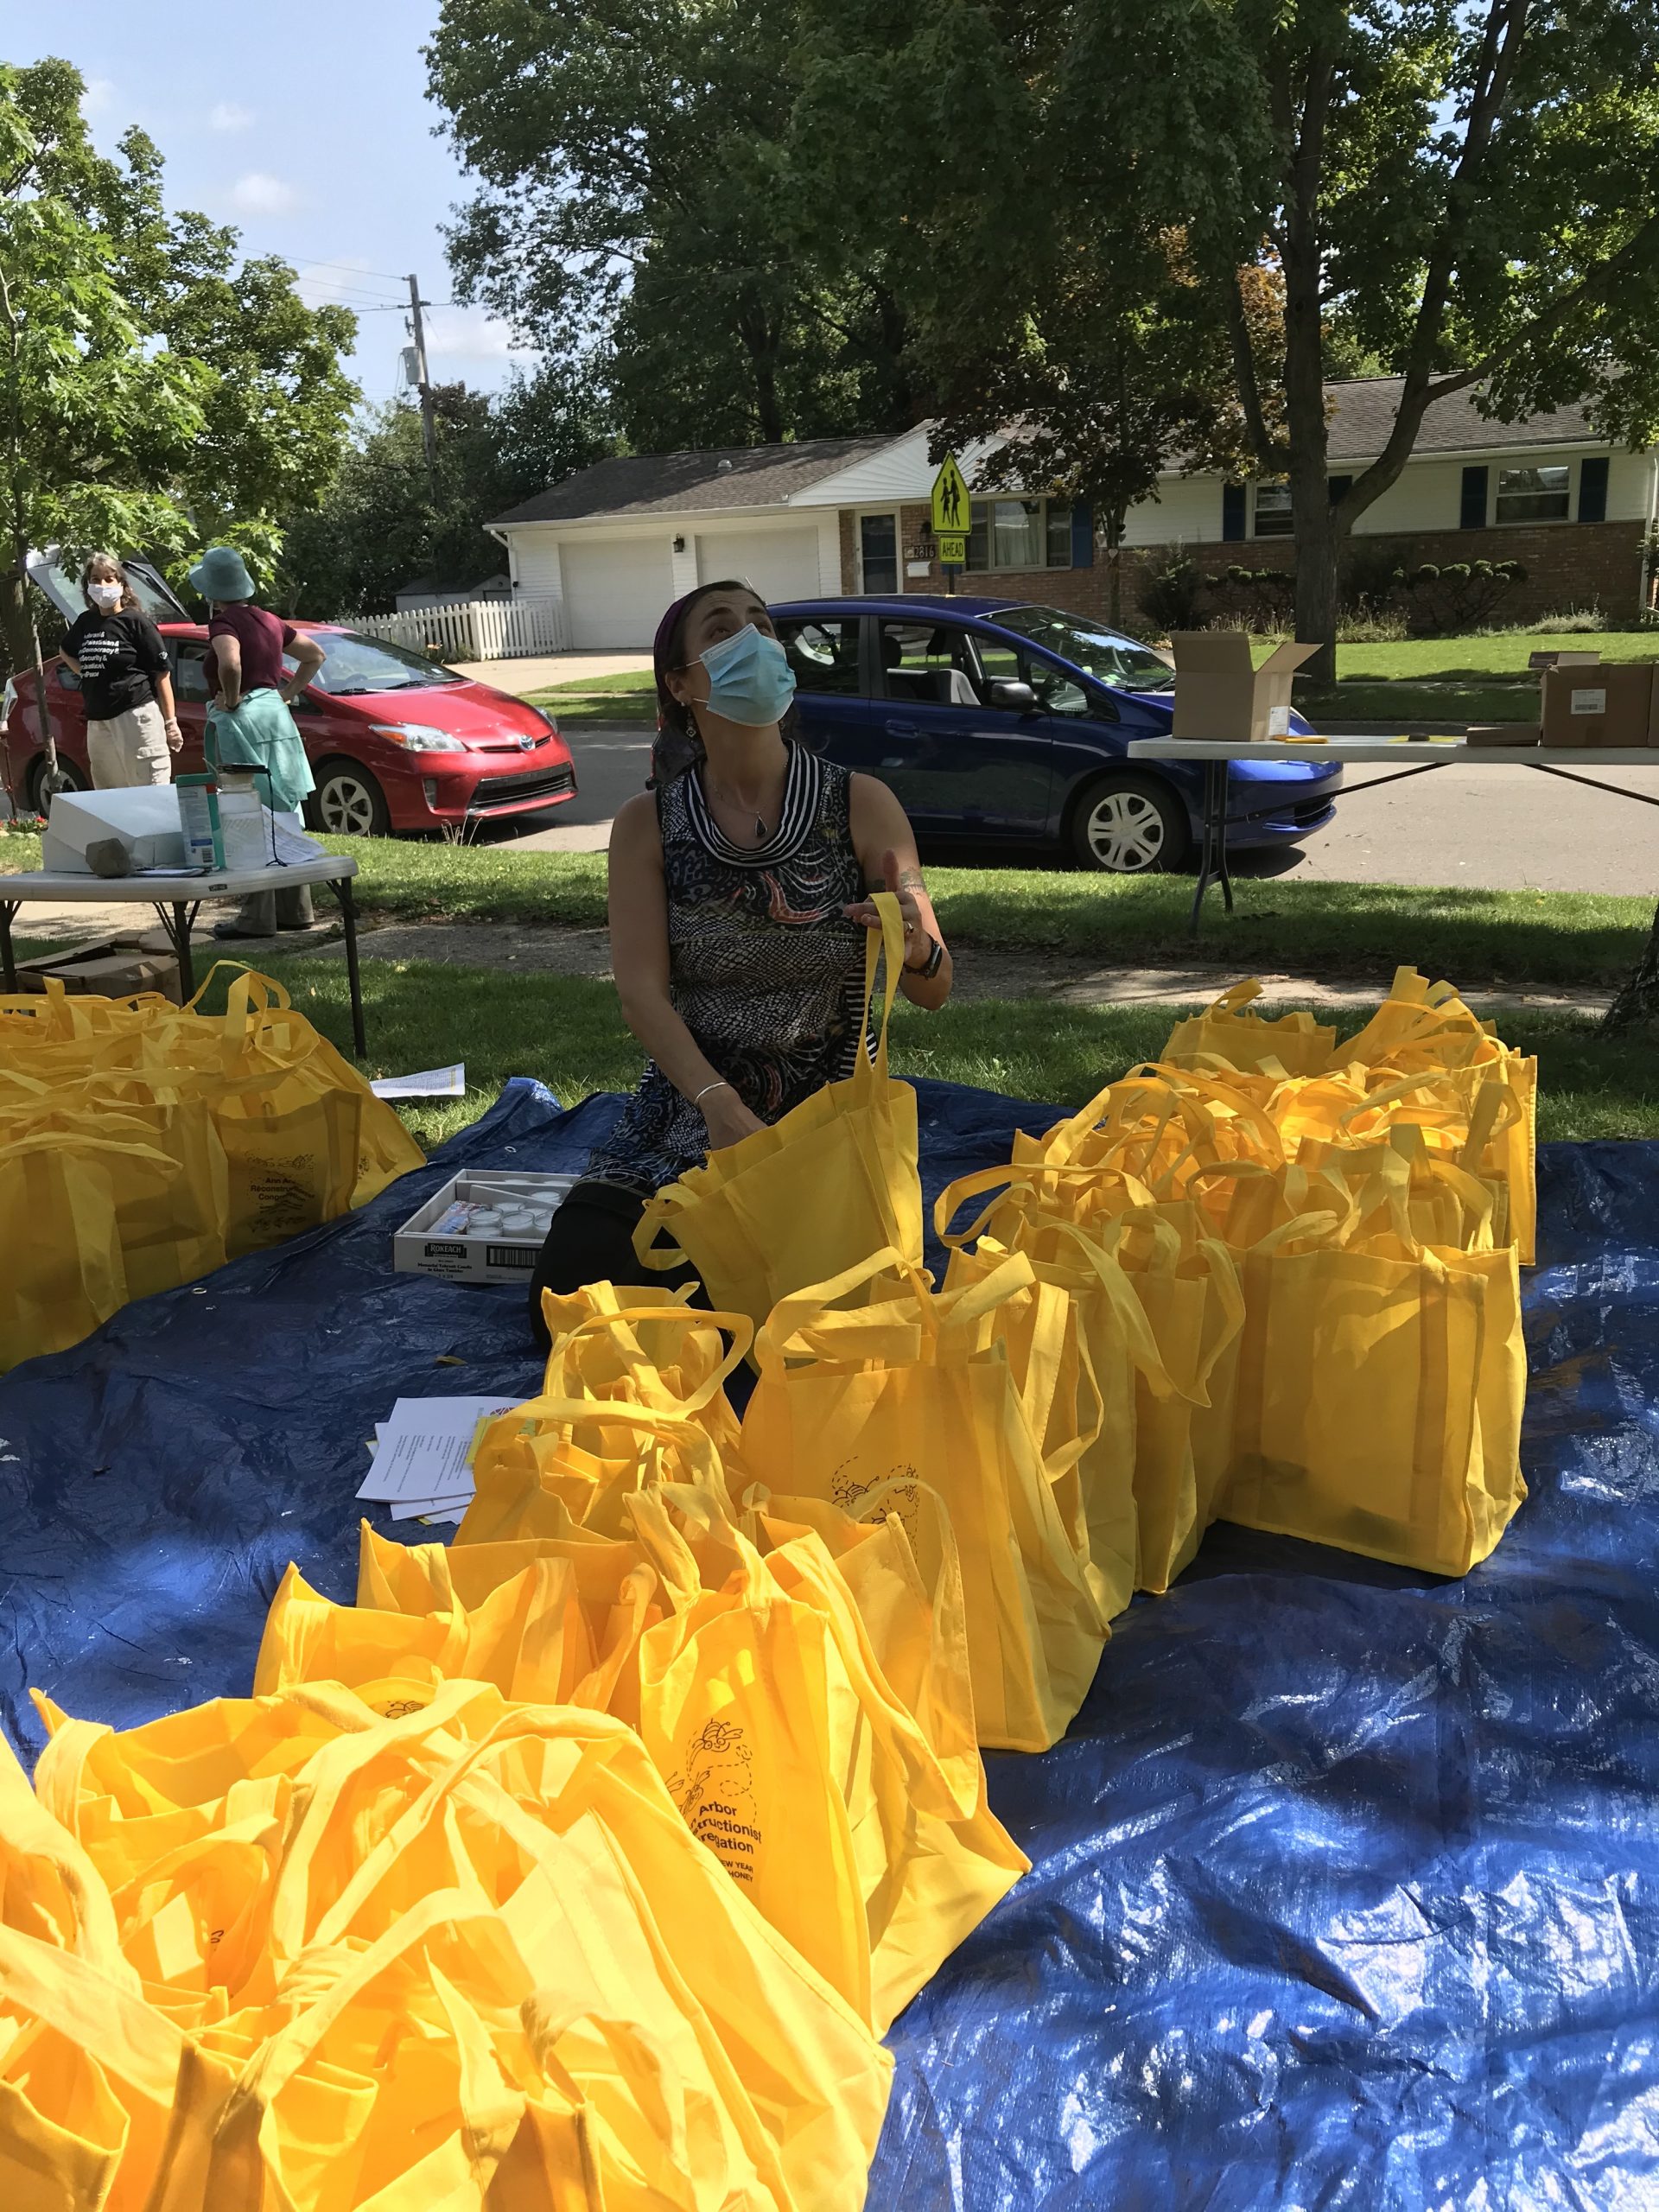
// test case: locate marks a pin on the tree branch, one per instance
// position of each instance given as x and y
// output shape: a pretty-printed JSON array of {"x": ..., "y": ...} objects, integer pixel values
[
  {"x": 1500, "y": 48},
  {"x": 1269, "y": 451}
]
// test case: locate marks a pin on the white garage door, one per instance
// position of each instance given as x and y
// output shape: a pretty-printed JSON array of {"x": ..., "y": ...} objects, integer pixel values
[
  {"x": 779, "y": 563},
  {"x": 615, "y": 590}
]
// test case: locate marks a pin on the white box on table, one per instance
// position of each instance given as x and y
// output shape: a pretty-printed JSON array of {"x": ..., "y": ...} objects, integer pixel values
[{"x": 144, "y": 819}]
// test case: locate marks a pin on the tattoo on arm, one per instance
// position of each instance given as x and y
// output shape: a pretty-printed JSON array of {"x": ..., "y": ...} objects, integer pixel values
[{"x": 910, "y": 879}]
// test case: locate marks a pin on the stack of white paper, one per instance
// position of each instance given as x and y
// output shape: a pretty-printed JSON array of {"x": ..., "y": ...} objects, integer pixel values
[
  {"x": 425, "y": 1082},
  {"x": 423, "y": 1456}
]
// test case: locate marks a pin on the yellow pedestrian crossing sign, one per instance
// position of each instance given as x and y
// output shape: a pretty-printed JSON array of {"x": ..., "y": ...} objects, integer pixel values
[
  {"x": 953, "y": 552},
  {"x": 951, "y": 513}
]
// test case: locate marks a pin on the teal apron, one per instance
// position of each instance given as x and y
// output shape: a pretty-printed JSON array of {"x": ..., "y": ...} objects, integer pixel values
[{"x": 259, "y": 732}]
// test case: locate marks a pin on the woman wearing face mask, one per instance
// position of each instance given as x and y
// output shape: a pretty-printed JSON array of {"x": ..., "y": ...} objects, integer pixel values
[
  {"x": 115, "y": 649},
  {"x": 739, "y": 903}
]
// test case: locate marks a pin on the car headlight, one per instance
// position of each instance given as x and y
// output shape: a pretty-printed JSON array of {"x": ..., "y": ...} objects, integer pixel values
[{"x": 416, "y": 737}]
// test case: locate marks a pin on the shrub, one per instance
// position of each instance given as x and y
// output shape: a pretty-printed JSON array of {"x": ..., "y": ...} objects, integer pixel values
[
  {"x": 1459, "y": 596},
  {"x": 1386, "y": 628},
  {"x": 1172, "y": 597},
  {"x": 1572, "y": 621},
  {"x": 1258, "y": 599}
]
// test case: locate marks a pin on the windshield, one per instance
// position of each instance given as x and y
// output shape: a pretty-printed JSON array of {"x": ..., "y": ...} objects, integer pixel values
[
  {"x": 1120, "y": 663},
  {"x": 352, "y": 665}
]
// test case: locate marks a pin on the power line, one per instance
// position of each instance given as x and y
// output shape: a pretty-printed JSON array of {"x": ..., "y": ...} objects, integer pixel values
[{"x": 353, "y": 269}]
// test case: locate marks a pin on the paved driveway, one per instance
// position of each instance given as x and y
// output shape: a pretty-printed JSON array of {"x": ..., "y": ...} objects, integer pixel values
[{"x": 521, "y": 676}]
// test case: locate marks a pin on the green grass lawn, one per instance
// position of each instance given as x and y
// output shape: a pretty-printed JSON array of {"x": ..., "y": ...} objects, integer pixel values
[
  {"x": 627, "y": 679},
  {"x": 569, "y": 1032},
  {"x": 1503, "y": 653},
  {"x": 614, "y": 707},
  {"x": 1330, "y": 929},
  {"x": 1361, "y": 931},
  {"x": 1469, "y": 679}
]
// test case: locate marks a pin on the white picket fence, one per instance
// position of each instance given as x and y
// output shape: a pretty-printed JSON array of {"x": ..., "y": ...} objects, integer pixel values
[{"x": 474, "y": 629}]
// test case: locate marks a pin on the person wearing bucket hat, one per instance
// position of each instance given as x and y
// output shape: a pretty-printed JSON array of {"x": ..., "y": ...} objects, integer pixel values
[
  {"x": 739, "y": 908},
  {"x": 249, "y": 725}
]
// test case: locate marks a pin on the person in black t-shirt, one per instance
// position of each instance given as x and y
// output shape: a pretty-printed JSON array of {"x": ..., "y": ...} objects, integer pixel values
[{"x": 132, "y": 729}]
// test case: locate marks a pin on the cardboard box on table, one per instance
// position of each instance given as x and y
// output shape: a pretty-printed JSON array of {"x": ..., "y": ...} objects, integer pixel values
[
  {"x": 1600, "y": 704},
  {"x": 1222, "y": 696}
]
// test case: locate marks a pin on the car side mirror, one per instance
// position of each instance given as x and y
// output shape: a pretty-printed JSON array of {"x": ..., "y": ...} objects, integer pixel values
[{"x": 1018, "y": 698}]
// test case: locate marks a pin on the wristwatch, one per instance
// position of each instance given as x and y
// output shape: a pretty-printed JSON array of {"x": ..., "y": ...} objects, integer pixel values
[{"x": 930, "y": 967}]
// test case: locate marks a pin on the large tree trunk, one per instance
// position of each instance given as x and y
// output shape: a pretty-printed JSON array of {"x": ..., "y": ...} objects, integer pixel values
[
  {"x": 23, "y": 650},
  {"x": 1636, "y": 1001},
  {"x": 1317, "y": 545}
]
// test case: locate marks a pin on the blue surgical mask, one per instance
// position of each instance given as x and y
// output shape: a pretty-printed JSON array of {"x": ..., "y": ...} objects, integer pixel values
[{"x": 749, "y": 679}]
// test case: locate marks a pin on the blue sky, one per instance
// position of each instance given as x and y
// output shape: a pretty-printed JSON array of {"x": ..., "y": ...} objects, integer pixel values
[{"x": 309, "y": 129}]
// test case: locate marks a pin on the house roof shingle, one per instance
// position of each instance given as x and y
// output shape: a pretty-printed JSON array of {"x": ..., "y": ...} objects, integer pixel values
[
  {"x": 661, "y": 483},
  {"x": 1362, "y": 415}
]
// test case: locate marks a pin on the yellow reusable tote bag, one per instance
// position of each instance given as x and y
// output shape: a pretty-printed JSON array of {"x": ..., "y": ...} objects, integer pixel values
[
  {"x": 1379, "y": 1392},
  {"x": 60, "y": 1228},
  {"x": 1294, "y": 1045},
  {"x": 171, "y": 1224},
  {"x": 763, "y": 1704},
  {"x": 1162, "y": 1309},
  {"x": 539, "y": 1636},
  {"x": 821, "y": 1190},
  {"x": 577, "y": 1455},
  {"x": 934, "y": 1857},
  {"x": 651, "y": 1346},
  {"x": 264, "y": 1032},
  {"x": 917, "y": 1389}
]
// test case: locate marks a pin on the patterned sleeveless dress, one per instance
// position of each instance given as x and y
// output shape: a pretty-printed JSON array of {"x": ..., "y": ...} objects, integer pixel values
[{"x": 763, "y": 969}]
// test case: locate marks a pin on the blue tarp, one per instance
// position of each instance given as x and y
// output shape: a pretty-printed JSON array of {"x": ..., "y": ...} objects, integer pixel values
[{"x": 1345, "y": 1881}]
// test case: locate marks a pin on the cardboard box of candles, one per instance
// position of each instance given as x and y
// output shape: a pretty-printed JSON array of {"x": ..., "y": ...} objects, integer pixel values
[{"x": 483, "y": 1228}]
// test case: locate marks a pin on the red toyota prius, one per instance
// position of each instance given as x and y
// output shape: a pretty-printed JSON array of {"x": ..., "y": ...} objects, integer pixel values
[{"x": 396, "y": 742}]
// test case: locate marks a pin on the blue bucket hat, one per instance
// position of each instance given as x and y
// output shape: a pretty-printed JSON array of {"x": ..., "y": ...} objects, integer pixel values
[{"x": 222, "y": 573}]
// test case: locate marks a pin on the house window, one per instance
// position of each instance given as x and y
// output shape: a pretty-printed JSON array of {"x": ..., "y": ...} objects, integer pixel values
[
  {"x": 877, "y": 552},
  {"x": 1533, "y": 494},
  {"x": 1019, "y": 534},
  {"x": 1272, "y": 511}
]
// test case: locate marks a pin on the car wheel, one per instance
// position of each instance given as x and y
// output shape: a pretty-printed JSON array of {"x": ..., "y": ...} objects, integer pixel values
[
  {"x": 71, "y": 778},
  {"x": 347, "y": 802},
  {"x": 1129, "y": 825}
]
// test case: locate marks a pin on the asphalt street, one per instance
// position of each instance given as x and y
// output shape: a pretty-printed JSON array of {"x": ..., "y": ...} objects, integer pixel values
[{"x": 1493, "y": 827}]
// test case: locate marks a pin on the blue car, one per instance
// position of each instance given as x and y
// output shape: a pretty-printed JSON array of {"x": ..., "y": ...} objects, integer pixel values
[{"x": 998, "y": 721}]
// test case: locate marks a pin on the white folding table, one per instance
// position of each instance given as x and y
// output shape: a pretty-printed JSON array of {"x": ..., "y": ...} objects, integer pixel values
[
  {"x": 177, "y": 897},
  {"x": 1409, "y": 756}
]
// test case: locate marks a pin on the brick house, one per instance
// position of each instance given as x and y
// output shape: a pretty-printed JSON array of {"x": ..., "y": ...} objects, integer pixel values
[{"x": 830, "y": 515}]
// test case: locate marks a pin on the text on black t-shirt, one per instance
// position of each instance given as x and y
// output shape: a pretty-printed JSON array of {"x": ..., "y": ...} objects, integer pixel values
[{"x": 119, "y": 657}]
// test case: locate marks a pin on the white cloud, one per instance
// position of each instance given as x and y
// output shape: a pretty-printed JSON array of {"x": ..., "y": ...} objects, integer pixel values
[
  {"x": 227, "y": 115},
  {"x": 470, "y": 335},
  {"x": 98, "y": 97},
  {"x": 256, "y": 193}
]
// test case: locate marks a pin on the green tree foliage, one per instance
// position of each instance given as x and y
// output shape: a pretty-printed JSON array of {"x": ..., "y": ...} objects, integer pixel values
[
  {"x": 1458, "y": 191},
  {"x": 636, "y": 204},
  {"x": 383, "y": 520},
  {"x": 153, "y": 392}
]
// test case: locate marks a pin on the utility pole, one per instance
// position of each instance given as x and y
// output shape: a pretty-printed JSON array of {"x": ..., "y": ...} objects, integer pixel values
[{"x": 418, "y": 332}]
